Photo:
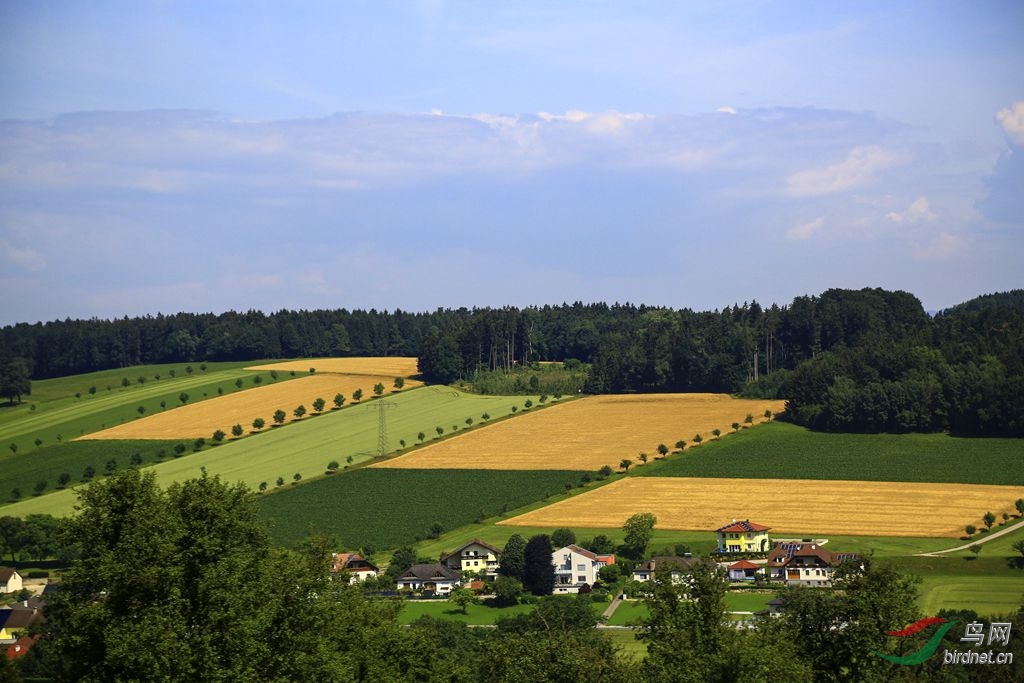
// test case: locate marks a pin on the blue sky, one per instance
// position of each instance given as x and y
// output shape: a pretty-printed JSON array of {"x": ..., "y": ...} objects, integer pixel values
[{"x": 166, "y": 156}]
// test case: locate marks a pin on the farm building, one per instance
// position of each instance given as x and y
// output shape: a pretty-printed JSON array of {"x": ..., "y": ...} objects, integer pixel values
[{"x": 743, "y": 537}]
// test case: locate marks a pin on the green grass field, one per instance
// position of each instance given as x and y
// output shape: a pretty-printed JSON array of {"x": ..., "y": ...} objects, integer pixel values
[
  {"x": 55, "y": 415},
  {"x": 442, "y": 609},
  {"x": 783, "y": 451},
  {"x": 308, "y": 446},
  {"x": 385, "y": 508}
]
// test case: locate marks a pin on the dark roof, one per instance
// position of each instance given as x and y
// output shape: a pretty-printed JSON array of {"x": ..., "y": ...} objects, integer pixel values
[
  {"x": 782, "y": 554},
  {"x": 475, "y": 541},
  {"x": 6, "y": 573},
  {"x": 667, "y": 562},
  {"x": 742, "y": 527},
  {"x": 19, "y": 617},
  {"x": 429, "y": 572},
  {"x": 351, "y": 562}
]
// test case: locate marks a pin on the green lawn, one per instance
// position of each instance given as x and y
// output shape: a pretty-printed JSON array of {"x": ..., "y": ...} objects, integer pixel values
[
  {"x": 385, "y": 508},
  {"x": 783, "y": 451},
  {"x": 442, "y": 609},
  {"x": 307, "y": 447},
  {"x": 986, "y": 595},
  {"x": 629, "y": 613},
  {"x": 626, "y": 641}
]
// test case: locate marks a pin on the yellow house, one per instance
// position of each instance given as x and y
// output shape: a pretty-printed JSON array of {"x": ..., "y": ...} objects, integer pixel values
[
  {"x": 474, "y": 557},
  {"x": 743, "y": 537}
]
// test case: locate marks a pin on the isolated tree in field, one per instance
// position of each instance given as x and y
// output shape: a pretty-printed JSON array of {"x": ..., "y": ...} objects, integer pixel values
[
  {"x": 141, "y": 410},
  {"x": 238, "y": 383},
  {"x": 528, "y": 404},
  {"x": 970, "y": 529},
  {"x": 339, "y": 400},
  {"x": 735, "y": 426},
  {"x": 198, "y": 444},
  {"x": 378, "y": 388},
  {"x": 768, "y": 415},
  {"x": 975, "y": 548},
  {"x": 625, "y": 463},
  {"x": 92, "y": 390},
  {"x": 258, "y": 423},
  {"x": 513, "y": 558},
  {"x": 141, "y": 380},
  {"x": 280, "y": 481},
  {"x": 642, "y": 457},
  {"x": 989, "y": 519},
  {"x": 697, "y": 439},
  {"x": 297, "y": 477},
  {"x": 357, "y": 395},
  {"x": 237, "y": 431},
  {"x": 163, "y": 405},
  {"x": 439, "y": 430},
  {"x": 462, "y": 597},
  {"x": 1019, "y": 504},
  {"x": 349, "y": 459},
  {"x": 421, "y": 436},
  {"x": 312, "y": 371},
  {"x": 135, "y": 460},
  {"x": 257, "y": 380},
  {"x": 279, "y": 416},
  {"x": 89, "y": 472},
  {"x": 219, "y": 435},
  {"x": 125, "y": 382},
  {"x": 606, "y": 471},
  {"x": 399, "y": 382},
  {"x": 318, "y": 405},
  {"x": 717, "y": 432},
  {"x": 263, "y": 486},
  {"x": 1019, "y": 547},
  {"x": 680, "y": 445},
  {"x": 436, "y": 529},
  {"x": 638, "y": 530},
  {"x": 485, "y": 417},
  {"x": 538, "y": 572},
  {"x": 111, "y": 466},
  {"x": 183, "y": 397},
  {"x": 299, "y": 412},
  {"x": 189, "y": 370},
  {"x": 469, "y": 422},
  {"x": 562, "y": 537},
  {"x": 333, "y": 466},
  {"x": 171, "y": 372},
  {"x": 749, "y": 419},
  {"x": 38, "y": 442}
]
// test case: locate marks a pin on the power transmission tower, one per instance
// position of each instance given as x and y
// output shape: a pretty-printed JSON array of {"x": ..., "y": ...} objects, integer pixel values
[{"x": 382, "y": 426}]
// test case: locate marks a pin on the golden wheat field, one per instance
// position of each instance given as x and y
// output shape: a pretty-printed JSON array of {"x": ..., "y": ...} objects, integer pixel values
[
  {"x": 202, "y": 419},
  {"x": 789, "y": 506},
  {"x": 588, "y": 433},
  {"x": 391, "y": 366}
]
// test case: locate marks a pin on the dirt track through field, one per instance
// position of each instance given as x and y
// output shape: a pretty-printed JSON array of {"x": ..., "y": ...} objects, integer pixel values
[
  {"x": 788, "y": 506},
  {"x": 202, "y": 419},
  {"x": 588, "y": 433}
]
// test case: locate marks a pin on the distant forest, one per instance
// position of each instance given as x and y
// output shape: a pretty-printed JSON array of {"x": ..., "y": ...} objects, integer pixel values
[{"x": 848, "y": 360}]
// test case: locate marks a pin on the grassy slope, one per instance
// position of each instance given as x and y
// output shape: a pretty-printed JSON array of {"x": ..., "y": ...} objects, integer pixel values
[
  {"x": 307, "y": 446},
  {"x": 385, "y": 508},
  {"x": 58, "y": 413},
  {"x": 784, "y": 451}
]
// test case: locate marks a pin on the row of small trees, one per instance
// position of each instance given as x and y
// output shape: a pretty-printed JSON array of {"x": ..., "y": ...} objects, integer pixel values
[{"x": 989, "y": 518}]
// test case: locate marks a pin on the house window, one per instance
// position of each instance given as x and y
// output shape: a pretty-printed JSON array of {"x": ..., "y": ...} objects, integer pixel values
[
  {"x": 581, "y": 579},
  {"x": 581, "y": 567}
]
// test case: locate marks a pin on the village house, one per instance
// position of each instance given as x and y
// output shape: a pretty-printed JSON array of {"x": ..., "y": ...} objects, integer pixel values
[
  {"x": 743, "y": 537},
  {"x": 673, "y": 565},
  {"x": 15, "y": 620},
  {"x": 10, "y": 580},
  {"x": 576, "y": 567},
  {"x": 358, "y": 567},
  {"x": 429, "y": 577},
  {"x": 744, "y": 570},
  {"x": 805, "y": 563},
  {"x": 474, "y": 557}
]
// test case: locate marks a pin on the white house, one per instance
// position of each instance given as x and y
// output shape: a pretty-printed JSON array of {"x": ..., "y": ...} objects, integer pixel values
[
  {"x": 474, "y": 557},
  {"x": 670, "y": 565},
  {"x": 10, "y": 580},
  {"x": 805, "y": 564},
  {"x": 429, "y": 577},
  {"x": 576, "y": 567}
]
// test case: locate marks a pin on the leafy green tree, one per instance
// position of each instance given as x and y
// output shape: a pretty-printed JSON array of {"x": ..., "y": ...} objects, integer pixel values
[
  {"x": 624, "y": 464},
  {"x": 638, "y": 529},
  {"x": 513, "y": 559},
  {"x": 219, "y": 435},
  {"x": 280, "y": 481},
  {"x": 421, "y": 436},
  {"x": 141, "y": 410},
  {"x": 642, "y": 457},
  {"x": 279, "y": 416},
  {"x": 600, "y": 544},
  {"x": 401, "y": 560},
  {"x": 210, "y": 603},
  {"x": 463, "y": 597},
  {"x": 970, "y": 529},
  {"x": 662, "y": 450},
  {"x": 507, "y": 590},
  {"x": 735, "y": 426},
  {"x": 257, "y": 380},
  {"x": 39, "y": 487},
  {"x": 399, "y": 383},
  {"x": 606, "y": 471},
  {"x": 357, "y": 395},
  {"x": 538, "y": 571},
  {"x": 680, "y": 445},
  {"x": 485, "y": 417},
  {"x": 378, "y": 389},
  {"x": 263, "y": 486},
  {"x": 237, "y": 430},
  {"x": 183, "y": 397},
  {"x": 1019, "y": 504},
  {"x": 768, "y": 415},
  {"x": 989, "y": 520},
  {"x": 976, "y": 549},
  {"x": 318, "y": 405},
  {"x": 716, "y": 432},
  {"x": 92, "y": 389},
  {"x": 339, "y": 400},
  {"x": 125, "y": 381},
  {"x": 1019, "y": 547},
  {"x": 439, "y": 430},
  {"x": 562, "y": 537},
  {"x": 239, "y": 383},
  {"x": 333, "y": 466},
  {"x": 297, "y": 477},
  {"x": 63, "y": 480},
  {"x": 749, "y": 419}
]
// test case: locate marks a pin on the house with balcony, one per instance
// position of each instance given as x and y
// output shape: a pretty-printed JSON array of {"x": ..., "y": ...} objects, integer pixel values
[
  {"x": 435, "y": 578},
  {"x": 355, "y": 565},
  {"x": 805, "y": 563},
  {"x": 576, "y": 567},
  {"x": 743, "y": 537},
  {"x": 474, "y": 557}
]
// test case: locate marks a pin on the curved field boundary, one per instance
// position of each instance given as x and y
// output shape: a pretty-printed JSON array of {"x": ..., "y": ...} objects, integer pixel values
[
  {"x": 789, "y": 506},
  {"x": 389, "y": 366},
  {"x": 203, "y": 419},
  {"x": 588, "y": 433}
]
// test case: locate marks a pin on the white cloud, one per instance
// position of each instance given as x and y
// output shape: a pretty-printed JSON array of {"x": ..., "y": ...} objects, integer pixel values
[
  {"x": 944, "y": 246},
  {"x": 917, "y": 211},
  {"x": 857, "y": 169},
  {"x": 1012, "y": 121},
  {"x": 726, "y": 110},
  {"x": 601, "y": 123},
  {"x": 25, "y": 258},
  {"x": 804, "y": 231}
]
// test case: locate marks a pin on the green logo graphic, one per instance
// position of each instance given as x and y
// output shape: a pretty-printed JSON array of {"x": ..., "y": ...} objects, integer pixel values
[{"x": 928, "y": 649}]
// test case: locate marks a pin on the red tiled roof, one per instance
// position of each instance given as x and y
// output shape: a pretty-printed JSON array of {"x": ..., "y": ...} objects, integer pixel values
[
  {"x": 744, "y": 564},
  {"x": 742, "y": 527}
]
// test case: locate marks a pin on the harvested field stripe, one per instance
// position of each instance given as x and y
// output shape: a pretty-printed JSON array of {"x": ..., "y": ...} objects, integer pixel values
[{"x": 788, "y": 506}]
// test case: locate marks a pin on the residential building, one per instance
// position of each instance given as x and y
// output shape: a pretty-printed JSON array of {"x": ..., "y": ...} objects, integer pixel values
[
  {"x": 576, "y": 567},
  {"x": 474, "y": 557},
  {"x": 358, "y": 567},
  {"x": 10, "y": 580},
  {"x": 743, "y": 537},
  {"x": 805, "y": 564},
  {"x": 674, "y": 565},
  {"x": 429, "y": 577},
  {"x": 14, "y": 621},
  {"x": 744, "y": 570}
]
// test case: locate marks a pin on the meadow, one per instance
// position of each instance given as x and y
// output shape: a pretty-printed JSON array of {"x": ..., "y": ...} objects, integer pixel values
[
  {"x": 589, "y": 433},
  {"x": 784, "y": 451},
  {"x": 801, "y": 507},
  {"x": 387, "y": 508},
  {"x": 307, "y": 446},
  {"x": 390, "y": 366}
]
